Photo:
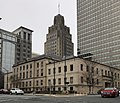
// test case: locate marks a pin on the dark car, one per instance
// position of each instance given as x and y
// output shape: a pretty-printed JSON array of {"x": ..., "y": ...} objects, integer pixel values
[
  {"x": 4, "y": 91},
  {"x": 110, "y": 92}
]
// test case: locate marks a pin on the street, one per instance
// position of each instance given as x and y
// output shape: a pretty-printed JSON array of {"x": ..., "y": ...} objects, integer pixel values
[{"x": 56, "y": 99}]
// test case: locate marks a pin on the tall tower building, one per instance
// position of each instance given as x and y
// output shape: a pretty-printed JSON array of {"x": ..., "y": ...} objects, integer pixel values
[
  {"x": 59, "y": 40},
  {"x": 7, "y": 50},
  {"x": 24, "y": 44},
  {"x": 98, "y": 30}
]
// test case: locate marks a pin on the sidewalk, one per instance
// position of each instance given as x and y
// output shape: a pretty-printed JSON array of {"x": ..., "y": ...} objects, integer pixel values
[{"x": 54, "y": 95}]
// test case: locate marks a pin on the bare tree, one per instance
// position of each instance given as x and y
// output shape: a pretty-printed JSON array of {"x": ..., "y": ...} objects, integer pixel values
[{"x": 91, "y": 76}]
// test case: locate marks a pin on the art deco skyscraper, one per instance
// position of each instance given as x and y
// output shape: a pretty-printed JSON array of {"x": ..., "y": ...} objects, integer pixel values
[
  {"x": 59, "y": 40},
  {"x": 98, "y": 30}
]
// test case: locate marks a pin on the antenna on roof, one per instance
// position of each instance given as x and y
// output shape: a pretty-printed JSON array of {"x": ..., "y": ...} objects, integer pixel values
[{"x": 58, "y": 8}]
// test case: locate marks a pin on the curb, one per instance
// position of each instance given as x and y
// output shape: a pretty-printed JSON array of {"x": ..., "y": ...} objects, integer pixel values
[{"x": 57, "y": 95}]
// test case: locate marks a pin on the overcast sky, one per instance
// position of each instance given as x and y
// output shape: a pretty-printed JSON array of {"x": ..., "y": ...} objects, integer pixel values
[{"x": 38, "y": 15}]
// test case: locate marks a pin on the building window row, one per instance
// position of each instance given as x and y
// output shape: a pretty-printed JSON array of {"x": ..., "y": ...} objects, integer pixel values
[
  {"x": 59, "y": 69},
  {"x": 50, "y": 83}
]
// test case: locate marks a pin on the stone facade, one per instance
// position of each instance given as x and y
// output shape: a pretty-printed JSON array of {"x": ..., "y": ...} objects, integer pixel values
[
  {"x": 24, "y": 44},
  {"x": 37, "y": 74}
]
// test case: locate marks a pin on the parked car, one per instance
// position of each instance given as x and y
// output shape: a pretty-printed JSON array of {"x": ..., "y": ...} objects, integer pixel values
[
  {"x": 110, "y": 92},
  {"x": 16, "y": 91},
  {"x": 4, "y": 91}
]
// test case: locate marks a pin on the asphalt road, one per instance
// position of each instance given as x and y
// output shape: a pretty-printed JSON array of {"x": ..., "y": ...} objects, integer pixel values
[{"x": 56, "y": 99}]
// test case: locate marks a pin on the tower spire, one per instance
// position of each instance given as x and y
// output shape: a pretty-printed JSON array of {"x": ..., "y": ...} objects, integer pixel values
[{"x": 58, "y": 8}]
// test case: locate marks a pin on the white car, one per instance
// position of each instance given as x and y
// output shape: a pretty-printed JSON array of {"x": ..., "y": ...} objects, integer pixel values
[{"x": 16, "y": 91}]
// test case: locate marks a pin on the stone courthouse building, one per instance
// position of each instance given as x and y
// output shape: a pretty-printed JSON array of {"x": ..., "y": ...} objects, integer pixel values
[
  {"x": 47, "y": 73},
  {"x": 82, "y": 76}
]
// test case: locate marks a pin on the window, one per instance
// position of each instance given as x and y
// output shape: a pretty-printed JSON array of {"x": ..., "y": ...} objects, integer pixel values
[
  {"x": 29, "y": 83},
  {"x": 24, "y": 35},
  {"x": 97, "y": 71},
  {"x": 41, "y": 72},
  {"x": 42, "y": 64},
  {"x": 20, "y": 68},
  {"x": 71, "y": 67},
  {"x": 20, "y": 75},
  {"x": 115, "y": 76},
  {"x": 59, "y": 89},
  {"x": 71, "y": 80},
  {"x": 37, "y": 65},
  {"x": 59, "y": 69},
  {"x": 27, "y": 74},
  {"x": 26, "y": 84},
  {"x": 106, "y": 72},
  {"x": 92, "y": 69},
  {"x": 30, "y": 66},
  {"x": 71, "y": 88},
  {"x": 28, "y": 36},
  {"x": 37, "y": 73},
  {"x": 27, "y": 67},
  {"x": 37, "y": 82},
  {"x": 49, "y": 82},
  {"x": 41, "y": 82},
  {"x": 19, "y": 33},
  {"x": 118, "y": 76},
  {"x": 112, "y": 74},
  {"x": 23, "y": 67},
  {"x": 59, "y": 80},
  {"x": 87, "y": 68},
  {"x": 81, "y": 66},
  {"x": 81, "y": 79},
  {"x": 102, "y": 72},
  {"x": 49, "y": 71}
]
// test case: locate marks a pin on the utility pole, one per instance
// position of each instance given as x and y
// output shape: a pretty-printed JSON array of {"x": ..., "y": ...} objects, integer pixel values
[
  {"x": 54, "y": 78},
  {"x": 65, "y": 67}
]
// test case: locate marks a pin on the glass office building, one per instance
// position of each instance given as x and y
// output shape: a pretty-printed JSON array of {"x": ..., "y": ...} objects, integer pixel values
[
  {"x": 7, "y": 50},
  {"x": 98, "y": 30}
]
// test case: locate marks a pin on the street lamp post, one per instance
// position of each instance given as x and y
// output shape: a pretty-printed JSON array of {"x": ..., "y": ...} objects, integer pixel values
[
  {"x": 54, "y": 78},
  {"x": 65, "y": 69}
]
